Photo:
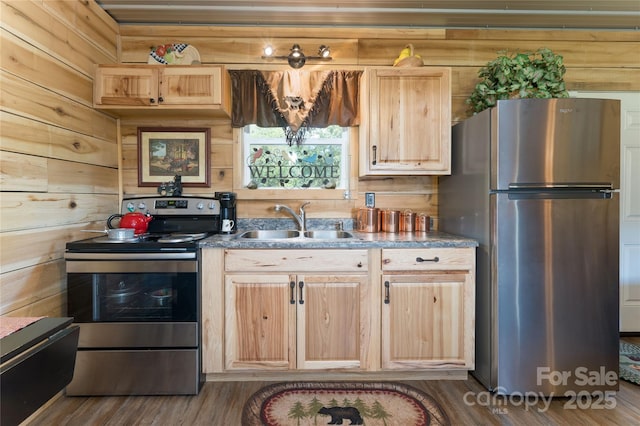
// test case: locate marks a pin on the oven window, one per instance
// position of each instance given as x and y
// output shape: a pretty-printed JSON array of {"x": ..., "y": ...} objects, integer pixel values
[{"x": 125, "y": 297}]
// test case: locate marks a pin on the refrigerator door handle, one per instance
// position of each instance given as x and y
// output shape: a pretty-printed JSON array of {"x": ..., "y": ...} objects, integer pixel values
[
  {"x": 570, "y": 185},
  {"x": 543, "y": 195}
]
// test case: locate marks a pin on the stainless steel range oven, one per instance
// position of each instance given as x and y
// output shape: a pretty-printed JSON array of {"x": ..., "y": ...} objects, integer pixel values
[{"x": 137, "y": 302}]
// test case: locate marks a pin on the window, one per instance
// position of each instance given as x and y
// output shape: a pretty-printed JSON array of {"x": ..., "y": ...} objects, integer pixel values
[{"x": 320, "y": 162}]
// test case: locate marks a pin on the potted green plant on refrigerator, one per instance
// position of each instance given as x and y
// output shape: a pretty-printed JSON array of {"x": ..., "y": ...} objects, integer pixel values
[{"x": 538, "y": 74}]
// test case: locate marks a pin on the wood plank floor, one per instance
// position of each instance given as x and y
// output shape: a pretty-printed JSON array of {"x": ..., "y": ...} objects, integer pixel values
[{"x": 220, "y": 404}]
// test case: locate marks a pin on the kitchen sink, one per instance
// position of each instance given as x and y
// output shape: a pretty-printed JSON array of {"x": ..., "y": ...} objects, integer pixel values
[
  {"x": 327, "y": 235},
  {"x": 277, "y": 234},
  {"x": 269, "y": 234}
]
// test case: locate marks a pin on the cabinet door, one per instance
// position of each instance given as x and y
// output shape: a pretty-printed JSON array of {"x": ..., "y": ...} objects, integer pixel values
[
  {"x": 408, "y": 126},
  {"x": 424, "y": 322},
  {"x": 191, "y": 86},
  {"x": 126, "y": 86},
  {"x": 332, "y": 321},
  {"x": 260, "y": 322}
]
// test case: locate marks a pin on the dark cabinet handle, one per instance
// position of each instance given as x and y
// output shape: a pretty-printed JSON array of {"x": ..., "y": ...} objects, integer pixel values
[
  {"x": 160, "y": 99},
  {"x": 435, "y": 259},
  {"x": 301, "y": 301},
  {"x": 375, "y": 150},
  {"x": 292, "y": 298},
  {"x": 386, "y": 292},
  {"x": 152, "y": 101},
  {"x": 359, "y": 265}
]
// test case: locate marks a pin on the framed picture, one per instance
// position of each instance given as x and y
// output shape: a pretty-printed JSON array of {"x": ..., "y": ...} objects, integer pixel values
[{"x": 164, "y": 152}]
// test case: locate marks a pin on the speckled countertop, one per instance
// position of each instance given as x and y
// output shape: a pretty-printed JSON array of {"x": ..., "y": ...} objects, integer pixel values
[{"x": 360, "y": 239}]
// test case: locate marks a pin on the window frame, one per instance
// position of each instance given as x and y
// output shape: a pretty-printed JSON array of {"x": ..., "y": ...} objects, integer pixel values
[{"x": 292, "y": 194}]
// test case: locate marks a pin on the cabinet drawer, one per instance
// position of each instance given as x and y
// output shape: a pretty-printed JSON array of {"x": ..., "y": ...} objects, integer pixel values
[
  {"x": 295, "y": 260},
  {"x": 428, "y": 259}
]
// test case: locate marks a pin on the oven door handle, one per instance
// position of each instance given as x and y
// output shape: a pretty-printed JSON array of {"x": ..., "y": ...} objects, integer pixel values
[{"x": 129, "y": 256}]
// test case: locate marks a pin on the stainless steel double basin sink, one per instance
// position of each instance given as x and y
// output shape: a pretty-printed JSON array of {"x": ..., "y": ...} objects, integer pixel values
[{"x": 277, "y": 234}]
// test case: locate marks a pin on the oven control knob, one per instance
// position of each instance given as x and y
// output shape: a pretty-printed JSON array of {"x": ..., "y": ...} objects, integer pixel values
[
  {"x": 200, "y": 206},
  {"x": 142, "y": 206},
  {"x": 212, "y": 206},
  {"x": 130, "y": 207}
]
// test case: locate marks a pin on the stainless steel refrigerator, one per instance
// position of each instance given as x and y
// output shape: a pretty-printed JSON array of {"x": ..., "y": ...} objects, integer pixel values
[{"x": 536, "y": 181}]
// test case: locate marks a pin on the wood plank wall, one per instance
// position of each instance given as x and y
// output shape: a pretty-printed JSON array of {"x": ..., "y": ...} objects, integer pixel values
[
  {"x": 59, "y": 157},
  {"x": 596, "y": 60}
]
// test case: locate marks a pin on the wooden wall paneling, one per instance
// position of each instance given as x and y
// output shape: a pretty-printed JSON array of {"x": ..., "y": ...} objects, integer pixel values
[
  {"x": 34, "y": 65},
  {"x": 221, "y": 132},
  {"x": 59, "y": 156},
  {"x": 615, "y": 79},
  {"x": 317, "y": 209},
  {"x": 479, "y": 52},
  {"x": 27, "y": 99},
  {"x": 244, "y": 49},
  {"x": 90, "y": 19},
  {"x": 417, "y": 202},
  {"x": 19, "y": 172},
  {"x": 36, "y": 25},
  {"x": 181, "y": 31},
  {"x": 28, "y": 173},
  {"x": 81, "y": 178},
  {"x": 26, "y": 286},
  {"x": 220, "y": 181},
  {"x": 508, "y": 35},
  {"x": 51, "y": 306},
  {"x": 459, "y": 108},
  {"x": 425, "y": 184},
  {"x": 20, "y": 134},
  {"x": 222, "y": 155},
  {"x": 26, "y": 248},
  {"x": 30, "y": 210}
]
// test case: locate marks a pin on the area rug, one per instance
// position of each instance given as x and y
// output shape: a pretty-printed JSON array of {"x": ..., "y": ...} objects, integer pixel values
[
  {"x": 630, "y": 362},
  {"x": 337, "y": 403}
]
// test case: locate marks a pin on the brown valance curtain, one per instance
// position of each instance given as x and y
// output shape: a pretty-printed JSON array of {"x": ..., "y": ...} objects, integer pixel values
[{"x": 295, "y": 100}]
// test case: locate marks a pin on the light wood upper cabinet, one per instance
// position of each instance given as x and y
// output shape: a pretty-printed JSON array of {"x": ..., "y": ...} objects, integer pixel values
[
  {"x": 428, "y": 309},
  {"x": 134, "y": 89},
  {"x": 406, "y": 121}
]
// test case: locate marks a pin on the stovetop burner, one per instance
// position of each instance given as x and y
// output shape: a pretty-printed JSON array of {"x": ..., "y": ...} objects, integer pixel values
[
  {"x": 177, "y": 224},
  {"x": 182, "y": 237},
  {"x": 175, "y": 237}
]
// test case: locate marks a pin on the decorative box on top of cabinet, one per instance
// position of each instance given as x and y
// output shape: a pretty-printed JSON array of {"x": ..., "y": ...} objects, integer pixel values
[
  {"x": 190, "y": 90},
  {"x": 405, "y": 124}
]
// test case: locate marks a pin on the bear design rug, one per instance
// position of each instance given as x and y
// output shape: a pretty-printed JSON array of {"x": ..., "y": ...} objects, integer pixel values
[{"x": 342, "y": 403}]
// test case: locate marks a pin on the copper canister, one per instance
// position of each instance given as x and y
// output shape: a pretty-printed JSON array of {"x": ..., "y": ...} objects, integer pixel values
[
  {"x": 422, "y": 222},
  {"x": 367, "y": 219},
  {"x": 407, "y": 221},
  {"x": 390, "y": 220}
]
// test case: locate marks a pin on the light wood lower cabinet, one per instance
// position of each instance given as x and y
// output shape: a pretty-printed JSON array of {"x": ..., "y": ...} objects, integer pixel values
[
  {"x": 294, "y": 321},
  {"x": 313, "y": 317},
  {"x": 428, "y": 308},
  {"x": 375, "y": 311}
]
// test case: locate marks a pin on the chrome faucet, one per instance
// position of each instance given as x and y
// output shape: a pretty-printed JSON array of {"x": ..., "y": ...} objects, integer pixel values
[{"x": 301, "y": 218}]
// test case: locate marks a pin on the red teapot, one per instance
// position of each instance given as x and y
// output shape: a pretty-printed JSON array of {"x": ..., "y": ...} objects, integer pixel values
[{"x": 138, "y": 221}]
